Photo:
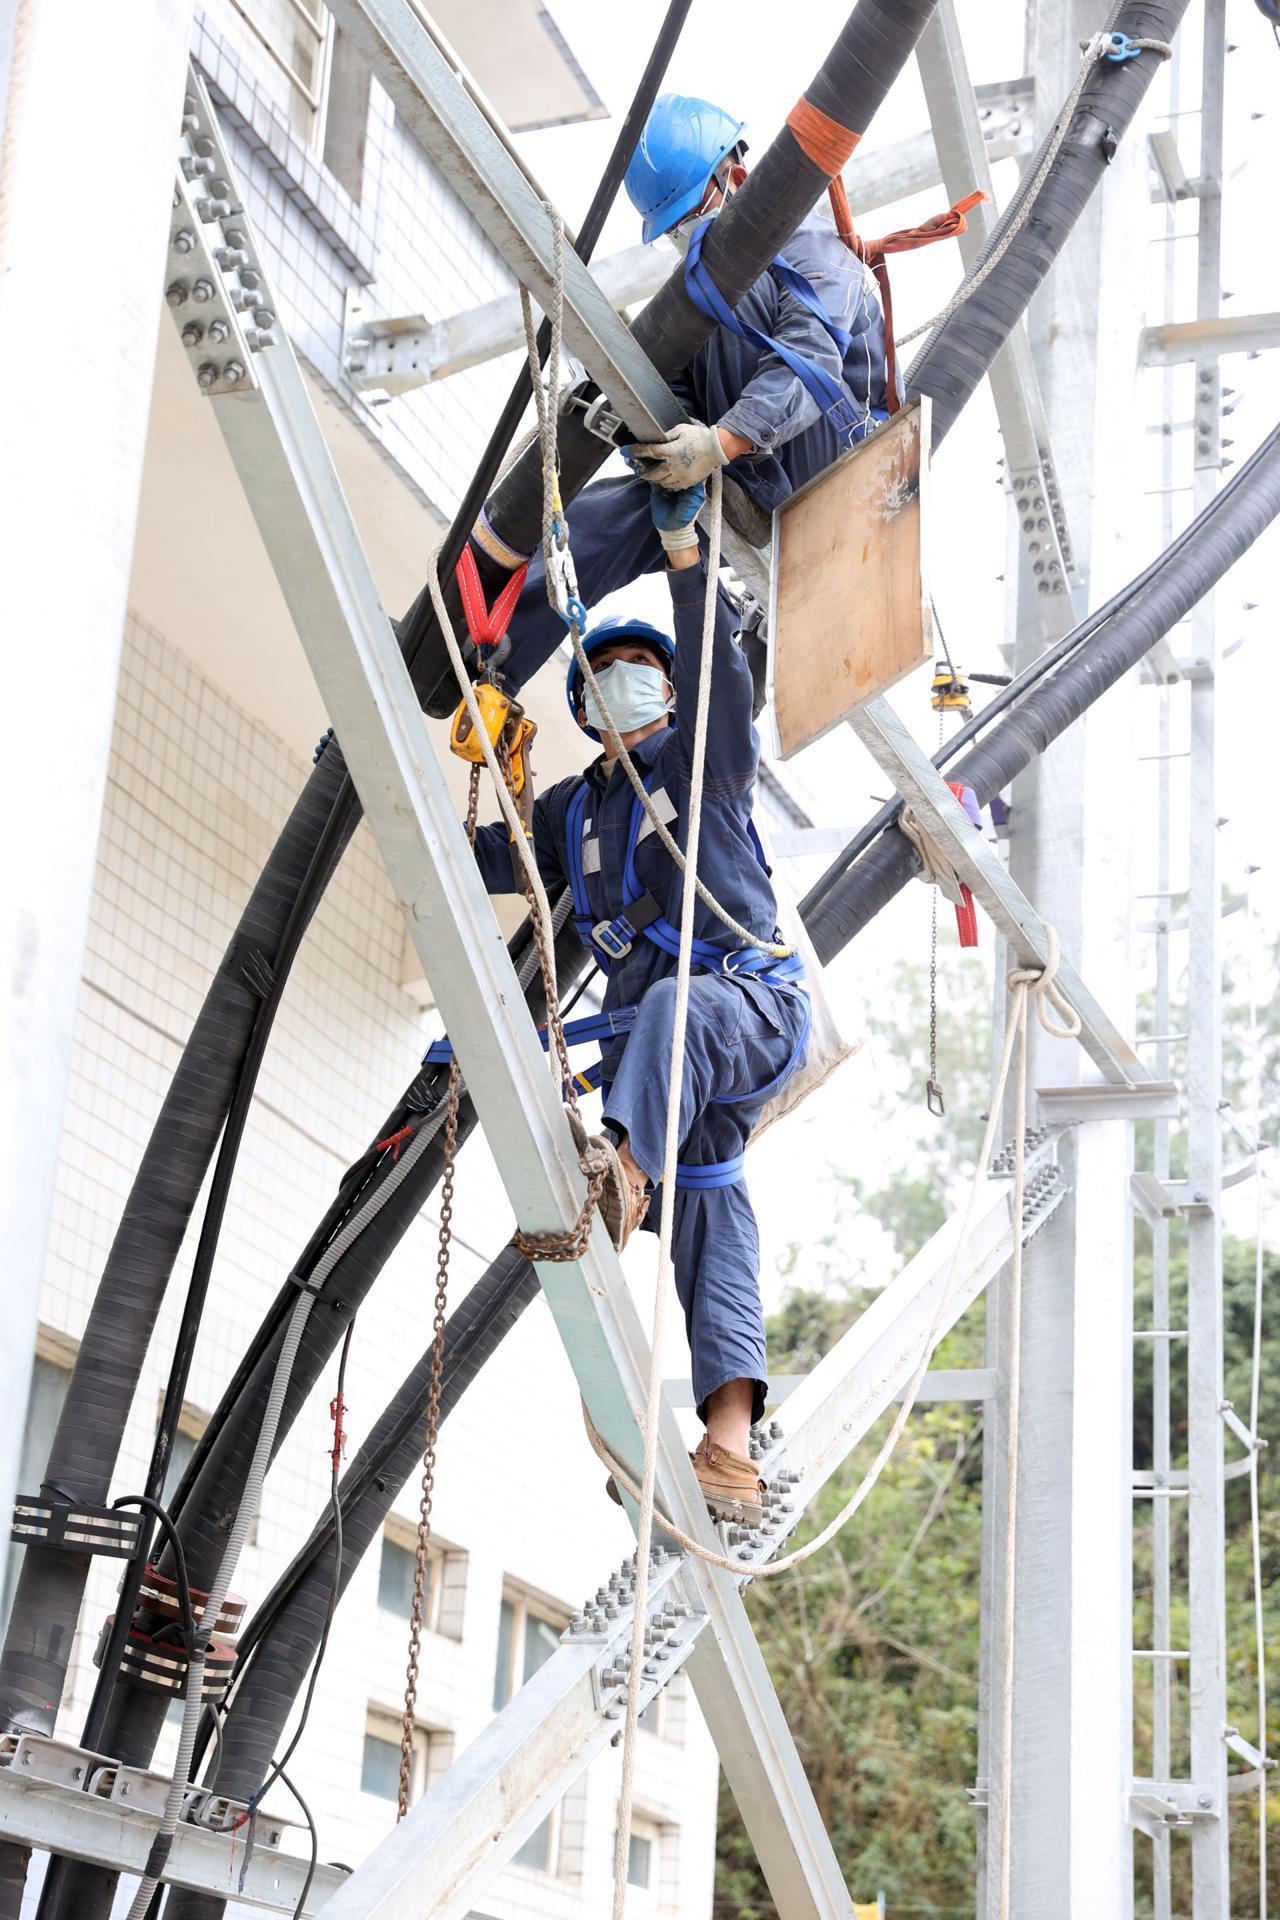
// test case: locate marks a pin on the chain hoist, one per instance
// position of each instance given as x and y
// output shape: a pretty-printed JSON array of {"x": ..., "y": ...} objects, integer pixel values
[{"x": 434, "y": 1382}]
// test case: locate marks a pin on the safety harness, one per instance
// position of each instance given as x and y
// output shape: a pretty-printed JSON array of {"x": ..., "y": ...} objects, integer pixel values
[
  {"x": 832, "y": 397},
  {"x": 642, "y": 918}
]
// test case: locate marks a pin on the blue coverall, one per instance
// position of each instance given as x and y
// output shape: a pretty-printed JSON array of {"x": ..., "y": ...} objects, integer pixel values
[
  {"x": 741, "y": 1032},
  {"x": 729, "y": 383}
]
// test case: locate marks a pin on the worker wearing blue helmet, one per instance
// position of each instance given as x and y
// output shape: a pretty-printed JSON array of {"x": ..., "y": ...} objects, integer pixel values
[
  {"x": 748, "y": 1014},
  {"x": 781, "y": 387}
]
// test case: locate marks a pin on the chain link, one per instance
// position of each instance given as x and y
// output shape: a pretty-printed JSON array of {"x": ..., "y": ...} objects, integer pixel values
[{"x": 434, "y": 1383}]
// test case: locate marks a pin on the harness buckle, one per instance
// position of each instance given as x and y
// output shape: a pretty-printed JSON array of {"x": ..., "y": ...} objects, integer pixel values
[{"x": 606, "y": 935}]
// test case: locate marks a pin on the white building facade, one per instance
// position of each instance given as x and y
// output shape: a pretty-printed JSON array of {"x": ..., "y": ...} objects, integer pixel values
[{"x": 214, "y": 722}]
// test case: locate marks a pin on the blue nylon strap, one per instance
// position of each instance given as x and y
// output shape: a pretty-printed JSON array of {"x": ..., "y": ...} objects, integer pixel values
[
  {"x": 579, "y": 1033},
  {"x": 716, "y": 1173},
  {"x": 830, "y": 396}
]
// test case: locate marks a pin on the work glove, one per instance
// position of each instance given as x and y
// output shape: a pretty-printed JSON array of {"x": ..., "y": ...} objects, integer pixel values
[
  {"x": 674, "y": 514},
  {"x": 687, "y": 455}
]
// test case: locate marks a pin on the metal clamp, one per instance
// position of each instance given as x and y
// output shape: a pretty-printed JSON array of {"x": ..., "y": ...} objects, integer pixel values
[
  {"x": 82, "y": 1527},
  {"x": 600, "y": 419},
  {"x": 610, "y": 942}
]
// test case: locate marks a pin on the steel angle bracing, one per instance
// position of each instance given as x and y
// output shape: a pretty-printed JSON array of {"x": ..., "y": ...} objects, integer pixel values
[
  {"x": 460, "y": 141},
  {"x": 475, "y": 1818},
  {"x": 276, "y": 444},
  {"x": 978, "y": 864}
]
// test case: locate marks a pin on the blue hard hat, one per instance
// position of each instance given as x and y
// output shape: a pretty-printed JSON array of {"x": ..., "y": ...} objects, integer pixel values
[
  {"x": 683, "y": 142},
  {"x": 609, "y": 633}
]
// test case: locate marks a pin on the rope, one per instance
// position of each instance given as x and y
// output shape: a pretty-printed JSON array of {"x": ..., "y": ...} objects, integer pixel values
[
  {"x": 1094, "y": 50},
  {"x": 548, "y": 417},
  {"x": 1023, "y": 983},
  {"x": 670, "y": 1154}
]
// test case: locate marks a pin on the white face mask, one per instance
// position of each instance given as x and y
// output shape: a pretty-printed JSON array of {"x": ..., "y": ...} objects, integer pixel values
[{"x": 635, "y": 694}]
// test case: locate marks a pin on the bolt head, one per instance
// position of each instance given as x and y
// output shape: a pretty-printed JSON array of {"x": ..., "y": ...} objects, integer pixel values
[
  {"x": 192, "y": 334},
  {"x": 207, "y": 375},
  {"x": 176, "y": 292},
  {"x": 202, "y": 291},
  {"x": 233, "y": 373},
  {"x": 1204, "y": 1800}
]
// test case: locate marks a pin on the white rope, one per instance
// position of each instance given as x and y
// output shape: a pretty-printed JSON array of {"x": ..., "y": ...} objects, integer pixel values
[
  {"x": 1024, "y": 982},
  {"x": 670, "y": 1154},
  {"x": 1094, "y": 50}
]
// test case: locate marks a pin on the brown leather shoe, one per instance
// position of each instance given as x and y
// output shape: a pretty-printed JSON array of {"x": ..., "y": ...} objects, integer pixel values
[
  {"x": 623, "y": 1202},
  {"x": 732, "y": 1487}
]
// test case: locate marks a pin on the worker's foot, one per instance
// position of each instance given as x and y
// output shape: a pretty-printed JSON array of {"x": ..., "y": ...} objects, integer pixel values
[
  {"x": 732, "y": 1487},
  {"x": 623, "y": 1200}
]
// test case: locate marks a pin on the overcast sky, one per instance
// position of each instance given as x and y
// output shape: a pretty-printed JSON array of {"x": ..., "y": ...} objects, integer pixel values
[{"x": 754, "y": 58}]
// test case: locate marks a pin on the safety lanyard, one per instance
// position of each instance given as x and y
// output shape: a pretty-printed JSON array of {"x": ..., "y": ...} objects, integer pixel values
[{"x": 830, "y": 396}]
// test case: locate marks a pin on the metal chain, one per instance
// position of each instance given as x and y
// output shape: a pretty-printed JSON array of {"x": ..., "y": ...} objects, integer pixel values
[{"x": 434, "y": 1382}]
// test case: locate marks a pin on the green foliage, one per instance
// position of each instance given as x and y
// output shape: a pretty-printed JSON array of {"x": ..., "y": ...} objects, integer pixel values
[{"x": 873, "y": 1645}]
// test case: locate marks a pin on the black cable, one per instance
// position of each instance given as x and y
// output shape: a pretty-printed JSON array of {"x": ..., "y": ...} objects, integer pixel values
[
  {"x": 584, "y": 246},
  {"x": 326, "y": 851},
  {"x": 279, "y": 1766},
  {"x": 315, "y": 1845},
  {"x": 185, "y": 1605},
  {"x": 578, "y": 991},
  {"x": 1030, "y": 676}
]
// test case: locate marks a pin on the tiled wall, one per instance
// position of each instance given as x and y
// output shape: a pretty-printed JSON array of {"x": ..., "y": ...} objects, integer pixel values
[
  {"x": 410, "y": 246},
  {"x": 197, "y": 791}
]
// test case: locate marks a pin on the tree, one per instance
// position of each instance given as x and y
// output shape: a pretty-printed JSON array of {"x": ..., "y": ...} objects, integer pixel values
[{"x": 873, "y": 1645}]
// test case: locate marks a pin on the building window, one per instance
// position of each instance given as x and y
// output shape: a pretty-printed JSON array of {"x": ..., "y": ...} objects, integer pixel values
[
  {"x": 446, "y": 1579},
  {"x": 380, "y": 1761},
  {"x": 642, "y": 1855},
  {"x": 295, "y": 35},
  {"x": 526, "y": 1641}
]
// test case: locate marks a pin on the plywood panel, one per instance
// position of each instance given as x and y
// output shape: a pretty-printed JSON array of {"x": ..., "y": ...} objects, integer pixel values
[{"x": 850, "y": 606}]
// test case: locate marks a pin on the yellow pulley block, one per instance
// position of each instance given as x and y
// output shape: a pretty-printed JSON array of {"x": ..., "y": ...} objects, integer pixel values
[
  {"x": 510, "y": 732},
  {"x": 950, "y": 693}
]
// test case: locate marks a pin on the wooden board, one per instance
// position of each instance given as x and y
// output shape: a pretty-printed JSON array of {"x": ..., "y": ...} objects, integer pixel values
[{"x": 849, "y": 610}]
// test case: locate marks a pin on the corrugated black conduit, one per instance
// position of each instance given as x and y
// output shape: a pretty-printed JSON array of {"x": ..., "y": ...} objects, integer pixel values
[
  {"x": 385, "y": 1209},
  {"x": 873, "y": 45},
  {"x": 1190, "y": 567},
  {"x": 279, "y": 1645},
  {"x": 203, "y": 1093},
  {"x": 954, "y": 360}
]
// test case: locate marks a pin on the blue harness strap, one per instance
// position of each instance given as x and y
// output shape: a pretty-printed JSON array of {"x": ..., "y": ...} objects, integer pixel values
[
  {"x": 715, "y": 1173},
  {"x": 611, "y": 940},
  {"x": 831, "y": 397}
]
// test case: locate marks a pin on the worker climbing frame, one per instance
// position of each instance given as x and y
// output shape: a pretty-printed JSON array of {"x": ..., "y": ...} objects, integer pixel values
[{"x": 470, "y": 1823}]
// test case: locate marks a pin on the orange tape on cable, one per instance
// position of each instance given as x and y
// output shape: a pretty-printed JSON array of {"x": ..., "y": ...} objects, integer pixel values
[{"x": 821, "y": 139}]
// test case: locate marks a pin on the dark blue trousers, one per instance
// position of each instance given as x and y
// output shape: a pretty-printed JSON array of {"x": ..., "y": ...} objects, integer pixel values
[
  {"x": 739, "y": 1037},
  {"x": 613, "y": 541}
]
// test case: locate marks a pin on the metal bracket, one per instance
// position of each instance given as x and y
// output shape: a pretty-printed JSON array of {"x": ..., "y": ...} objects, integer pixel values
[
  {"x": 1160, "y": 1200},
  {"x": 895, "y": 749},
  {"x": 1105, "y": 1100},
  {"x": 81, "y": 1528},
  {"x": 39, "y": 1758},
  {"x": 1170, "y": 1803},
  {"x": 215, "y": 284}
]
